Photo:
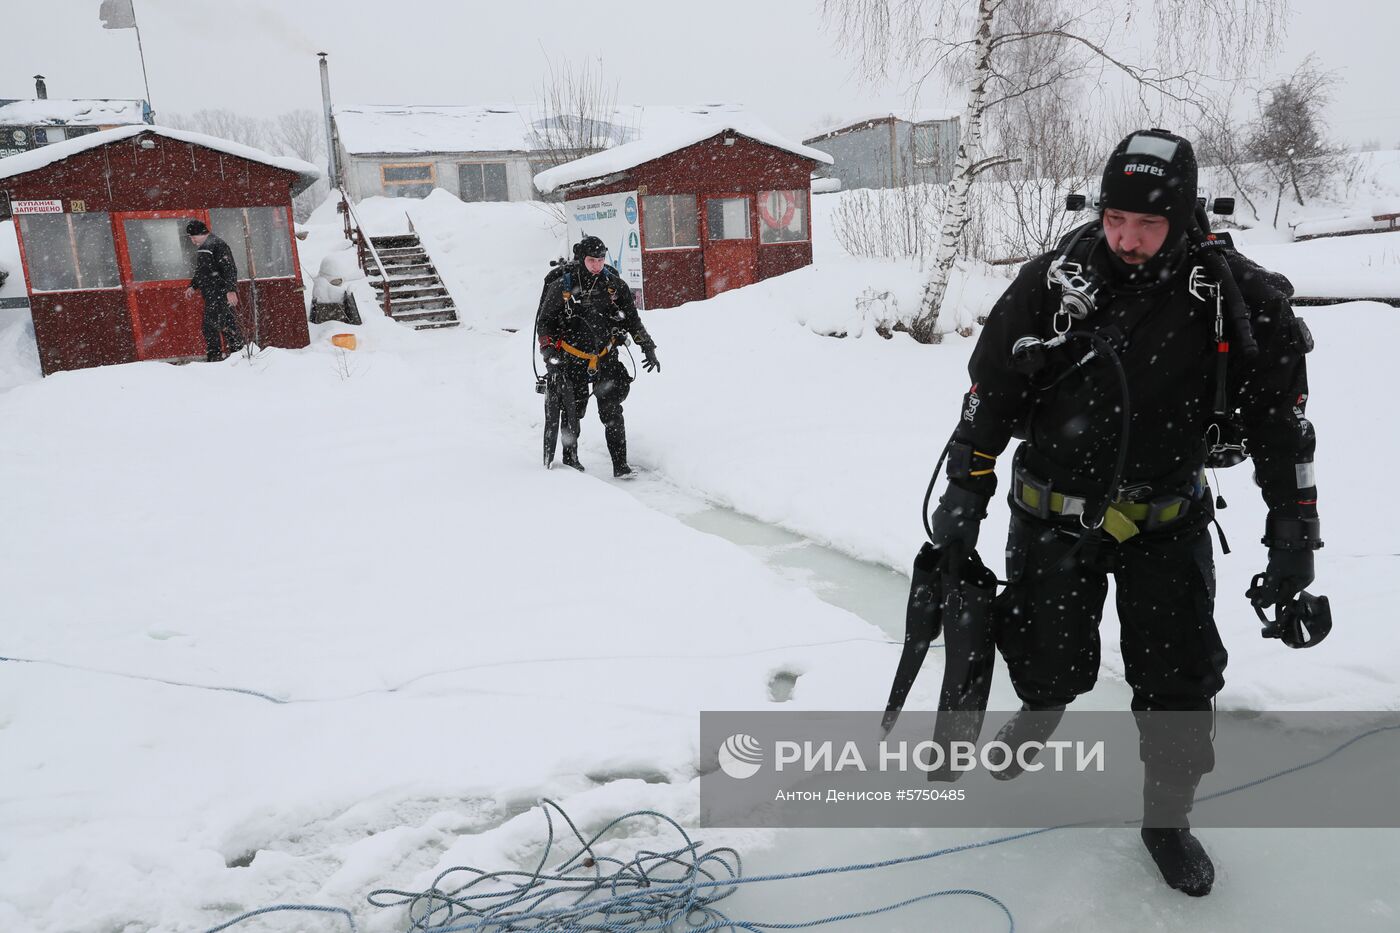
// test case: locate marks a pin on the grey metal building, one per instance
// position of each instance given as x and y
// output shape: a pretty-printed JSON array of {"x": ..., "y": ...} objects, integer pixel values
[{"x": 888, "y": 151}]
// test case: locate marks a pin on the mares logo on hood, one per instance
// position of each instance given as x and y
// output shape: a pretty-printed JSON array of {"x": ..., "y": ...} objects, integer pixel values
[{"x": 1152, "y": 172}]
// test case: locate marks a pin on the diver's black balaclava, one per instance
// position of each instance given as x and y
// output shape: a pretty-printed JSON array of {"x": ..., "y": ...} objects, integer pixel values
[{"x": 1152, "y": 172}]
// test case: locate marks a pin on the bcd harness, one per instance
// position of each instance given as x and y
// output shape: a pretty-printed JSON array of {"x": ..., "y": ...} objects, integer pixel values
[
  {"x": 1126, "y": 515},
  {"x": 592, "y": 358},
  {"x": 573, "y": 306}
]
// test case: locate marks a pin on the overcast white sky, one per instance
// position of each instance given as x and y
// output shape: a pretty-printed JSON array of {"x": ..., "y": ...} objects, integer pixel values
[{"x": 777, "y": 57}]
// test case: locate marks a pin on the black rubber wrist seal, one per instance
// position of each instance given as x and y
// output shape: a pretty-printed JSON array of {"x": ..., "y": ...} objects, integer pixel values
[
  {"x": 1292, "y": 534},
  {"x": 964, "y": 501}
]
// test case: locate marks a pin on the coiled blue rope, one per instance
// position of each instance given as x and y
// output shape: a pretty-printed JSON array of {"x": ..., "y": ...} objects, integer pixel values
[
  {"x": 313, "y": 908},
  {"x": 652, "y": 891},
  {"x": 638, "y": 897}
]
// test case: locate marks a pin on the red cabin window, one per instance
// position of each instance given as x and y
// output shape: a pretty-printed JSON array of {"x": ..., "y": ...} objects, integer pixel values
[
  {"x": 670, "y": 221},
  {"x": 69, "y": 252},
  {"x": 782, "y": 216},
  {"x": 159, "y": 249},
  {"x": 727, "y": 218},
  {"x": 258, "y": 234}
]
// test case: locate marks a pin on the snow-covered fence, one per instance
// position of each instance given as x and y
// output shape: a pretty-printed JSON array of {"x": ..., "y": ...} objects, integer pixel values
[{"x": 1348, "y": 225}]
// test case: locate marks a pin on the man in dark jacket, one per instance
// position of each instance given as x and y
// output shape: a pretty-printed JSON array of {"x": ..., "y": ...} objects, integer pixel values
[
  {"x": 1137, "y": 265},
  {"x": 585, "y": 311},
  {"x": 216, "y": 280}
]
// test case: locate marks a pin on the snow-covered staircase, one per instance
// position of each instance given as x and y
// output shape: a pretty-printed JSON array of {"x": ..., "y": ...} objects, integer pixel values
[{"x": 416, "y": 295}]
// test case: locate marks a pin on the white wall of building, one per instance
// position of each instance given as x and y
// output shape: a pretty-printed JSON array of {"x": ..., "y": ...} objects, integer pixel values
[{"x": 364, "y": 177}]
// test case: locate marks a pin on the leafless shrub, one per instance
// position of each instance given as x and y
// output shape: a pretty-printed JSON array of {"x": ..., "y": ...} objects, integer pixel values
[
  {"x": 1288, "y": 137},
  {"x": 889, "y": 223},
  {"x": 1057, "y": 152},
  {"x": 580, "y": 117}
]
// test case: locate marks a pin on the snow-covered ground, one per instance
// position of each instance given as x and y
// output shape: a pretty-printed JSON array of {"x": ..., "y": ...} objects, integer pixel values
[{"x": 317, "y": 622}]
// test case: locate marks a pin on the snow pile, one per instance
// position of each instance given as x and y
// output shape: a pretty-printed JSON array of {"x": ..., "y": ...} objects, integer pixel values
[
  {"x": 492, "y": 256},
  {"x": 77, "y": 112},
  {"x": 19, "y": 354},
  {"x": 13, "y": 286}
]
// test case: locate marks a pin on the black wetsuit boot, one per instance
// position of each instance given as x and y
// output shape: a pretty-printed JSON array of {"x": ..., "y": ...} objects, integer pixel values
[
  {"x": 1179, "y": 855},
  {"x": 615, "y": 432}
]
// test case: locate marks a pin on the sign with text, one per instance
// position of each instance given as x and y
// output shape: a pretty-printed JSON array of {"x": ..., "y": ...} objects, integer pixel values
[
  {"x": 50, "y": 206},
  {"x": 613, "y": 218}
]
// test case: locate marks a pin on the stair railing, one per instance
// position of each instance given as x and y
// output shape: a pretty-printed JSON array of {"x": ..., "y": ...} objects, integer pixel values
[{"x": 355, "y": 233}]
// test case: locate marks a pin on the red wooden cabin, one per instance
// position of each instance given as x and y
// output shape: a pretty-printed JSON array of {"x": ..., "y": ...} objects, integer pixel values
[
  {"x": 720, "y": 207},
  {"x": 101, "y": 227}
]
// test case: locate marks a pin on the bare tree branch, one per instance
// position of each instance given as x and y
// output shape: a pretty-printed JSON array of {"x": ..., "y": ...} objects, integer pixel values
[{"x": 1006, "y": 52}]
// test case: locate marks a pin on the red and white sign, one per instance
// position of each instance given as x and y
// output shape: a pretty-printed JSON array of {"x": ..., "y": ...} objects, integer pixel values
[{"x": 54, "y": 206}]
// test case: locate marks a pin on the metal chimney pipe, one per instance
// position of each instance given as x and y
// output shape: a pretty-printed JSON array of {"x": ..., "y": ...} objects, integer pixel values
[
  {"x": 331, "y": 156},
  {"x": 41, "y": 90}
]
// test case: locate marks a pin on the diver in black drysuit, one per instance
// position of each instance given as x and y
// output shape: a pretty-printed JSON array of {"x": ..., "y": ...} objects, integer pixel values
[
  {"x": 1046, "y": 622},
  {"x": 582, "y": 316}
]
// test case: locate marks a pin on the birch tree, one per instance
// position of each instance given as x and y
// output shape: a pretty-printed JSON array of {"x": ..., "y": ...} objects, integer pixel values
[{"x": 1001, "y": 50}]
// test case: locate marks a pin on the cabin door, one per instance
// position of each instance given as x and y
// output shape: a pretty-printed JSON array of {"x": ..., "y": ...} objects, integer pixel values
[
  {"x": 731, "y": 251},
  {"x": 157, "y": 261}
]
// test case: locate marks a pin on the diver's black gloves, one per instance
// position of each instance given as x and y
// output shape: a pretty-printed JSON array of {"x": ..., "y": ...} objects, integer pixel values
[
  {"x": 1291, "y": 544},
  {"x": 649, "y": 360},
  {"x": 1289, "y": 572},
  {"x": 958, "y": 519}
]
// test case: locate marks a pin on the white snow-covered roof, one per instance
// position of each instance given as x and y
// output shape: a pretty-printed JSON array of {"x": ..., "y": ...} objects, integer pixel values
[
  {"x": 915, "y": 115},
  {"x": 365, "y": 129},
  {"x": 632, "y": 154},
  {"x": 307, "y": 174},
  {"x": 53, "y": 112}
]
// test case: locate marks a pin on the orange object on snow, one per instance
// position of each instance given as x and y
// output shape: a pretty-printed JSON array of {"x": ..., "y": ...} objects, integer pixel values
[{"x": 344, "y": 341}]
